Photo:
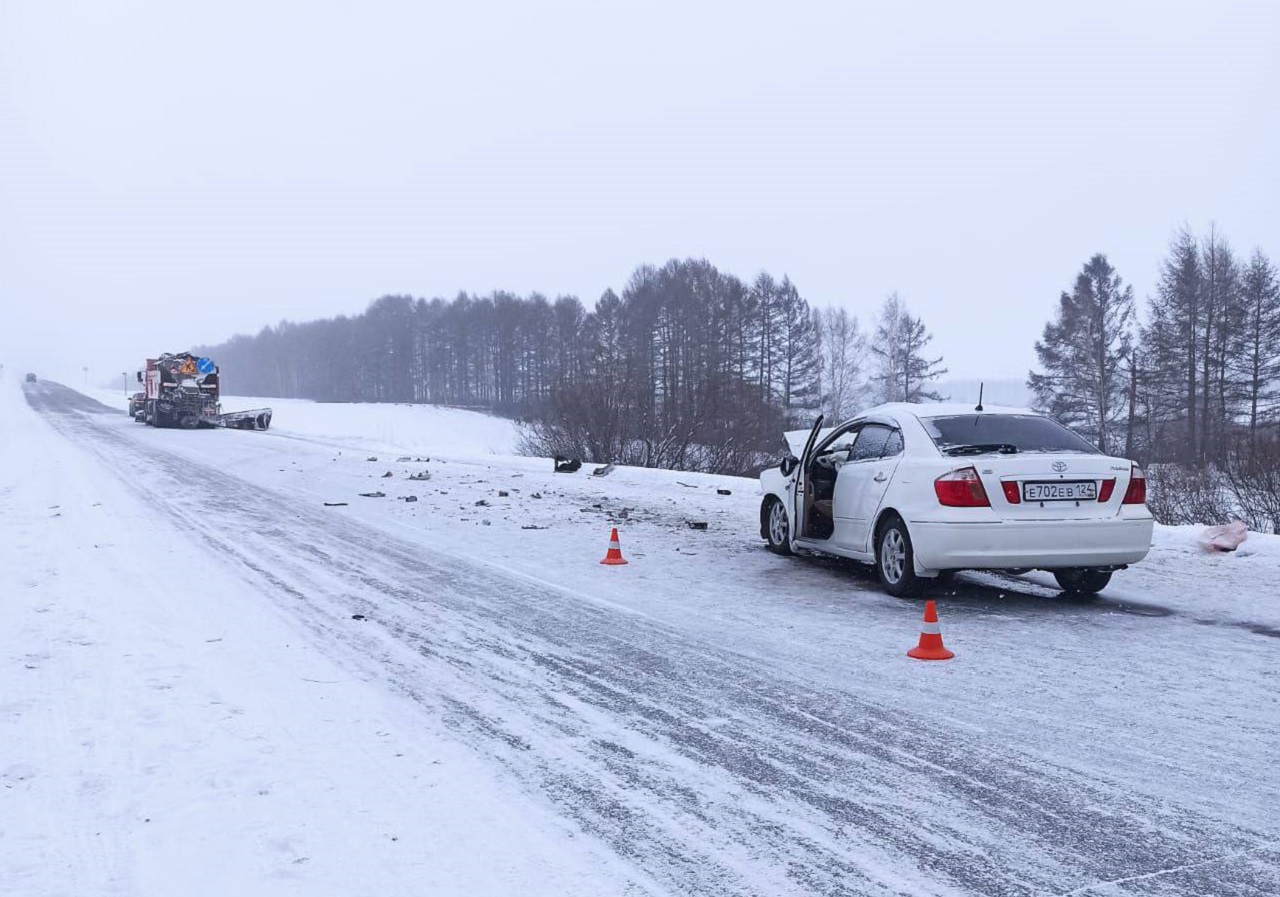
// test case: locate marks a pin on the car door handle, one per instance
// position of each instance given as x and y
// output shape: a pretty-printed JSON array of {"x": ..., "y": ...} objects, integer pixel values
[{"x": 880, "y": 478}]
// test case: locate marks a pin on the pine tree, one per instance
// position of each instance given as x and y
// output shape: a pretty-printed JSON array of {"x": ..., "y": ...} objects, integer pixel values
[
  {"x": 903, "y": 372},
  {"x": 1083, "y": 352},
  {"x": 1220, "y": 326},
  {"x": 766, "y": 330},
  {"x": 1172, "y": 348},
  {"x": 885, "y": 346},
  {"x": 918, "y": 371},
  {"x": 1259, "y": 356},
  {"x": 799, "y": 371}
]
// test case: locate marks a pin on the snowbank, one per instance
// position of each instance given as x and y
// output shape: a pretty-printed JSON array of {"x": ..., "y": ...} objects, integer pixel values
[{"x": 375, "y": 427}]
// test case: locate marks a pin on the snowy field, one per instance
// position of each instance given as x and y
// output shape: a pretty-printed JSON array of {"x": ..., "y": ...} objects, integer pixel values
[{"x": 228, "y": 672}]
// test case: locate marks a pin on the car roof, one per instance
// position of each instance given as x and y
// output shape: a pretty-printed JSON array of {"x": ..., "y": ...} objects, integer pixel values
[{"x": 891, "y": 411}]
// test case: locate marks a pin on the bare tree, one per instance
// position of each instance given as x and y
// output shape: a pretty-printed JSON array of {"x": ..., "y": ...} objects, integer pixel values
[{"x": 844, "y": 346}]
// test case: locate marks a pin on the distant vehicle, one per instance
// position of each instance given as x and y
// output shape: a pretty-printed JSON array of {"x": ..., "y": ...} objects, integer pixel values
[
  {"x": 31, "y": 378},
  {"x": 925, "y": 490},
  {"x": 182, "y": 390}
]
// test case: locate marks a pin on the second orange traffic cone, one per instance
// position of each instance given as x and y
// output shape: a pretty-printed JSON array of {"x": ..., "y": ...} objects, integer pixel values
[
  {"x": 613, "y": 556},
  {"x": 930, "y": 647}
]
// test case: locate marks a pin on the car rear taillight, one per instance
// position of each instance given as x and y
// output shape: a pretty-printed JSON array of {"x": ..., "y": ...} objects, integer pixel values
[
  {"x": 1011, "y": 494},
  {"x": 1136, "y": 494},
  {"x": 1108, "y": 487},
  {"x": 961, "y": 489}
]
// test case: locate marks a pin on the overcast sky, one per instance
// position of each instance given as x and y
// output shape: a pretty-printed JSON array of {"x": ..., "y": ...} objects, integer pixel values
[{"x": 174, "y": 172}]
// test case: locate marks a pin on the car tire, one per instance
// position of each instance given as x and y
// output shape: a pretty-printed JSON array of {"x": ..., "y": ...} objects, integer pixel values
[
  {"x": 895, "y": 559},
  {"x": 1082, "y": 581},
  {"x": 777, "y": 528}
]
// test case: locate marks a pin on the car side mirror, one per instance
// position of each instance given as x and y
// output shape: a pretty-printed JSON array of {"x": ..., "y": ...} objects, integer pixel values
[
  {"x": 139, "y": 376},
  {"x": 787, "y": 465}
]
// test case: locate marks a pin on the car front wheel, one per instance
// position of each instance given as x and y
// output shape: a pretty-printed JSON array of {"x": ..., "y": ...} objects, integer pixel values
[
  {"x": 1082, "y": 580},
  {"x": 777, "y": 529},
  {"x": 895, "y": 560}
]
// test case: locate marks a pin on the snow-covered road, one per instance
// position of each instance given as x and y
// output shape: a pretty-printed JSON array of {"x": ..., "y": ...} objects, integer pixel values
[{"x": 711, "y": 720}]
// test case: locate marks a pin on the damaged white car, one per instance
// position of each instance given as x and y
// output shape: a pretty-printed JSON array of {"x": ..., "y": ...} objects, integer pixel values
[{"x": 925, "y": 490}]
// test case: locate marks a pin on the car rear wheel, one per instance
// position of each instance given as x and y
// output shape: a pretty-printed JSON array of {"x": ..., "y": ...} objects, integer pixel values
[
  {"x": 1082, "y": 580},
  {"x": 895, "y": 560},
  {"x": 777, "y": 529}
]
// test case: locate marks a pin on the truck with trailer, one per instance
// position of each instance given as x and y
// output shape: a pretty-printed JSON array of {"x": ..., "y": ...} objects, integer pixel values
[{"x": 183, "y": 391}]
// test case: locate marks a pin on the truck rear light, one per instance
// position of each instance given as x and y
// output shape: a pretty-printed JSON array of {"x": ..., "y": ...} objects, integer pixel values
[
  {"x": 1011, "y": 493},
  {"x": 961, "y": 489},
  {"x": 1108, "y": 487},
  {"x": 1136, "y": 494}
]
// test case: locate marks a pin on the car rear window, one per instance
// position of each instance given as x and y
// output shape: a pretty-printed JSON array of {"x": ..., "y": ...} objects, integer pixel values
[{"x": 1028, "y": 432}]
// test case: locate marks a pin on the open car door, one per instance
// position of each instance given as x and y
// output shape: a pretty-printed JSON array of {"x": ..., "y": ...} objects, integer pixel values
[{"x": 800, "y": 488}]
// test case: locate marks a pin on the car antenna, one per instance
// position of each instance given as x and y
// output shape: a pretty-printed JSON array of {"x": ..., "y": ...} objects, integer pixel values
[{"x": 979, "y": 405}]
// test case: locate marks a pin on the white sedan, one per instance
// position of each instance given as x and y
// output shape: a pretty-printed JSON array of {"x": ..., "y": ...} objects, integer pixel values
[{"x": 925, "y": 490}]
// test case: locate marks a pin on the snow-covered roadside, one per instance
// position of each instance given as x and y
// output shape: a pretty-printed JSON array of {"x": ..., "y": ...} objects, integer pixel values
[
  {"x": 331, "y": 441},
  {"x": 164, "y": 730},
  {"x": 448, "y": 432},
  {"x": 1054, "y": 674}
]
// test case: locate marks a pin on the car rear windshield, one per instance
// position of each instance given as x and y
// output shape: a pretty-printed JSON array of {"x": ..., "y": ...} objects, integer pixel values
[{"x": 1025, "y": 432}]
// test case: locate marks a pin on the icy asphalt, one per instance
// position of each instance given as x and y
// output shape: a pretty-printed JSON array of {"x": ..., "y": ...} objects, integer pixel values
[{"x": 770, "y": 739}]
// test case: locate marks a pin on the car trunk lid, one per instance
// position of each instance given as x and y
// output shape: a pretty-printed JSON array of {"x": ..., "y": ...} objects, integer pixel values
[{"x": 1053, "y": 485}]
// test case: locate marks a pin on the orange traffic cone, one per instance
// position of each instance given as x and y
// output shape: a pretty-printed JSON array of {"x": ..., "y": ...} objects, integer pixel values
[
  {"x": 930, "y": 647},
  {"x": 613, "y": 556}
]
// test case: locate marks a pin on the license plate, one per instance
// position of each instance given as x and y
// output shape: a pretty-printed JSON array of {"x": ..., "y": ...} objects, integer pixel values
[{"x": 1062, "y": 490}]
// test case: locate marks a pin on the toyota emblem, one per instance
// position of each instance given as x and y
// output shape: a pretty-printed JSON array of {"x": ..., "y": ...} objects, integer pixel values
[{"x": 1059, "y": 466}]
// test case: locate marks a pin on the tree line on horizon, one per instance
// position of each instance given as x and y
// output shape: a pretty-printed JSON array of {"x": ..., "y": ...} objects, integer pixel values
[
  {"x": 693, "y": 368},
  {"x": 1193, "y": 391},
  {"x": 687, "y": 367}
]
